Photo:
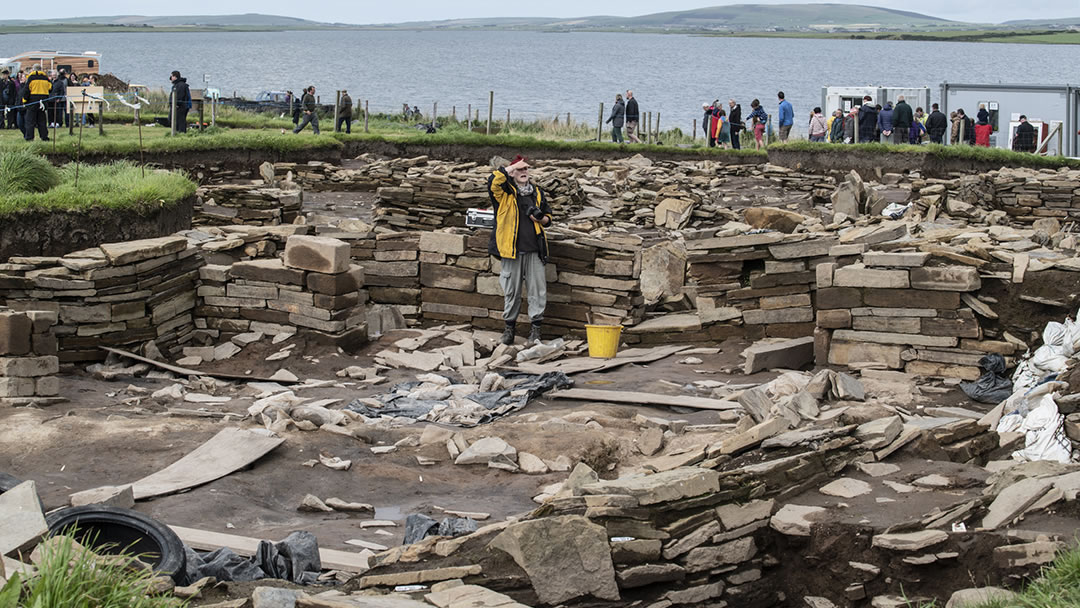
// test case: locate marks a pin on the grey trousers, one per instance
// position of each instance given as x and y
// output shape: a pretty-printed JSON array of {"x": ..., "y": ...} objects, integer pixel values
[
  {"x": 312, "y": 118},
  {"x": 527, "y": 269}
]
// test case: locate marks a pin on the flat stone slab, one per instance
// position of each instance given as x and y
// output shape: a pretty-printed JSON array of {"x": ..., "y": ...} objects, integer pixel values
[
  {"x": 877, "y": 469},
  {"x": 795, "y": 520},
  {"x": 1014, "y": 500},
  {"x": 846, "y": 487},
  {"x": 910, "y": 541},
  {"x": 685, "y": 482},
  {"x": 22, "y": 524}
]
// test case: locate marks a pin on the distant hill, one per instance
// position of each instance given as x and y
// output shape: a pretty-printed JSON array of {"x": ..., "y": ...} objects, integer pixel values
[
  {"x": 245, "y": 20},
  {"x": 739, "y": 17},
  {"x": 1036, "y": 23}
]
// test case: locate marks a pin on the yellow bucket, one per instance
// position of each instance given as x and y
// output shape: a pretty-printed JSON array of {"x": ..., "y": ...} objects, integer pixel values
[{"x": 603, "y": 340}]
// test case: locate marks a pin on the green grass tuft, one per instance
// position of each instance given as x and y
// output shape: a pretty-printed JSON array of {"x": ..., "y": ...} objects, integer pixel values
[
  {"x": 21, "y": 171},
  {"x": 69, "y": 577},
  {"x": 116, "y": 185}
]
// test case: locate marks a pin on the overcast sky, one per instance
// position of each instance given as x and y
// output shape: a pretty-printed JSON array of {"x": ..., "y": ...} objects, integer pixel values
[{"x": 368, "y": 11}]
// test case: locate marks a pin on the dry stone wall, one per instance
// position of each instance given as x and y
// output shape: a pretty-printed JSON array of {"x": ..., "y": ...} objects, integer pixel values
[
  {"x": 314, "y": 288},
  {"x": 28, "y": 361},
  {"x": 113, "y": 295}
]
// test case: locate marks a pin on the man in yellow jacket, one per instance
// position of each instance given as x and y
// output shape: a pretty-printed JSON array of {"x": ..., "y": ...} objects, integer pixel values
[
  {"x": 519, "y": 241},
  {"x": 35, "y": 91}
]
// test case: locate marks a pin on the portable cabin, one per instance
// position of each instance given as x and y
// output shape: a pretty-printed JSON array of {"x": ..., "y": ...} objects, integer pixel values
[{"x": 87, "y": 62}]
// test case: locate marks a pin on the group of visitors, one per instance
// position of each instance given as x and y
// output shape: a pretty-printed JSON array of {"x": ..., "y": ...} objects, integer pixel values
[
  {"x": 35, "y": 101},
  {"x": 724, "y": 127},
  {"x": 624, "y": 113}
]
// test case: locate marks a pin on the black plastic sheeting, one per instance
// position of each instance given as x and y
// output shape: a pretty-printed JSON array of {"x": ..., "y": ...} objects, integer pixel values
[
  {"x": 992, "y": 386},
  {"x": 419, "y": 526},
  {"x": 498, "y": 403},
  {"x": 294, "y": 559}
]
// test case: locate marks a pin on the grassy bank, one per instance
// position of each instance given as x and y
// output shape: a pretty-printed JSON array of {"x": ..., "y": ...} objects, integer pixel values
[
  {"x": 31, "y": 184},
  {"x": 1023, "y": 36},
  {"x": 977, "y": 154},
  {"x": 1057, "y": 587}
]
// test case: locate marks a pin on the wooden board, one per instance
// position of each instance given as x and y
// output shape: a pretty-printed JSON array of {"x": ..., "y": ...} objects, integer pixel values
[
  {"x": 636, "y": 398},
  {"x": 588, "y": 364},
  {"x": 205, "y": 540},
  {"x": 184, "y": 371},
  {"x": 229, "y": 450}
]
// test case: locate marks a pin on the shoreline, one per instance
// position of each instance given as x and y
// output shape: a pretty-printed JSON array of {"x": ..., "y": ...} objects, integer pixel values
[{"x": 1014, "y": 36}]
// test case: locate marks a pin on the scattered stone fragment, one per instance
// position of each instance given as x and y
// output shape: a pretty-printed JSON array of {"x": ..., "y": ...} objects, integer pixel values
[
  {"x": 910, "y": 541},
  {"x": 795, "y": 520},
  {"x": 530, "y": 464},
  {"x": 350, "y": 507},
  {"x": 972, "y": 598},
  {"x": 109, "y": 496},
  {"x": 846, "y": 487},
  {"x": 933, "y": 481},
  {"x": 484, "y": 450},
  {"x": 312, "y": 504}
]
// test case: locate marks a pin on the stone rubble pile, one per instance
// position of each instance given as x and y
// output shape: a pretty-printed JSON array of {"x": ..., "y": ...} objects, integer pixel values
[
  {"x": 224, "y": 245},
  {"x": 227, "y": 204},
  {"x": 314, "y": 287},
  {"x": 1025, "y": 195},
  {"x": 113, "y": 295},
  {"x": 28, "y": 361}
]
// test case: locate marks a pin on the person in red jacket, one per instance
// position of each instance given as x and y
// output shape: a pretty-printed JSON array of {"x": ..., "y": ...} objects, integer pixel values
[{"x": 982, "y": 133}]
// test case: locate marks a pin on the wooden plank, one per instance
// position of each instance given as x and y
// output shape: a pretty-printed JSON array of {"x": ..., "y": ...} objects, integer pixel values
[
  {"x": 636, "y": 398},
  {"x": 230, "y": 450},
  {"x": 205, "y": 540},
  {"x": 588, "y": 364},
  {"x": 184, "y": 371}
]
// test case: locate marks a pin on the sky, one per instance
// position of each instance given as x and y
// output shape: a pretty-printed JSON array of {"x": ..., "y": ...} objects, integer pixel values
[{"x": 375, "y": 11}]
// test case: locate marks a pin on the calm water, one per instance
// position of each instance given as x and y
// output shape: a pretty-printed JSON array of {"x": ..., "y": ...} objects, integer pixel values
[{"x": 537, "y": 74}]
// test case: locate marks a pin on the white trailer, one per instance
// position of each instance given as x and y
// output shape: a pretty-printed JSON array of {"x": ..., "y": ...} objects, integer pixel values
[{"x": 846, "y": 98}]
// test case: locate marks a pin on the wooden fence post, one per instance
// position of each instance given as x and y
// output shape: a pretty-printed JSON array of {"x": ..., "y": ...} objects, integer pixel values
[
  {"x": 337, "y": 103},
  {"x": 507, "y": 120},
  {"x": 600, "y": 122},
  {"x": 434, "y": 113},
  {"x": 491, "y": 110},
  {"x": 365, "y": 115},
  {"x": 693, "y": 133},
  {"x": 657, "y": 127},
  {"x": 468, "y": 118}
]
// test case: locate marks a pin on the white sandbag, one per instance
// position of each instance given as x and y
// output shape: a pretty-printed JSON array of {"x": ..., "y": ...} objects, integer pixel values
[
  {"x": 787, "y": 384},
  {"x": 1010, "y": 423},
  {"x": 1044, "y": 434}
]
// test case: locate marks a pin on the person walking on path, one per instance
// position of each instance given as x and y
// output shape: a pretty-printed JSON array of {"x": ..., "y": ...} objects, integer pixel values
[
  {"x": 868, "y": 121},
  {"x": 737, "y": 126},
  {"x": 344, "y": 112},
  {"x": 785, "y": 117},
  {"x": 618, "y": 115},
  {"x": 307, "y": 106},
  {"x": 518, "y": 240},
  {"x": 818, "y": 127},
  {"x": 901, "y": 121},
  {"x": 632, "y": 118},
  {"x": 180, "y": 100},
  {"x": 759, "y": 118},
  {"x": 35, "y": 91},
  {"x": 1024, "y": 140}
]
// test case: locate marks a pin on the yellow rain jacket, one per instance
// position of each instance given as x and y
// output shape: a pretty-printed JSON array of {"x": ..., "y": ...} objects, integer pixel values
[{"x": 503, "y": 194}]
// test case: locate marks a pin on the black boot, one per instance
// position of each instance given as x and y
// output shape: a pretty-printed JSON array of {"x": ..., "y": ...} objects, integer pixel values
[
  {"x": 534, "y": 334},
  {"x": 508, "y": 335}
]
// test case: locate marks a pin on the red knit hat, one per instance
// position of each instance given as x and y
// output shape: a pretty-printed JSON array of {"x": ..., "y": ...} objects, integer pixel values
[{"x": 519, "y": 159}]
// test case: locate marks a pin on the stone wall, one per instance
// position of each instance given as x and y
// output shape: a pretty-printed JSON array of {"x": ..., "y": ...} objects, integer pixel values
[
  {"x": 1026, "y": 195},
  {"x": 117, "y": 294},
  {"x": 313, "y": 288},
  {"x": 225, "y": 204},
  {"x": 896, "y": 310},
  {"x": 28, "y": 361}
]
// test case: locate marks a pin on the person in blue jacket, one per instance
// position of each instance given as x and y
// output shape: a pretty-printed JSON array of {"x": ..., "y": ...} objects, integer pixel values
[{"x": 785, "y": 117}]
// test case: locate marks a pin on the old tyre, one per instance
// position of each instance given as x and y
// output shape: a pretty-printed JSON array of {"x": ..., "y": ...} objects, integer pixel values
[{"x": 114, "y": 530}]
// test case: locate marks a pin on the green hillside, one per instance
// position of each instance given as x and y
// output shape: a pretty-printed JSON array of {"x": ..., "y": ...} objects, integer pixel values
[{"x": 249, "y": 19}]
